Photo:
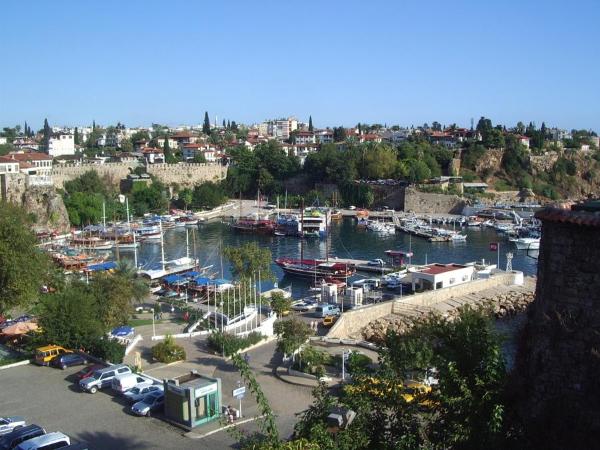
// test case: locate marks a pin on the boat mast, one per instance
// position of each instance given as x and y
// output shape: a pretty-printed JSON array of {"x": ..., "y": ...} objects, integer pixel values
[
  {"x": 162, "y": 247},
  {"x": 135, "y": 262},
  {"x": 302, "y": 230},
  {"x": 104, "y": 214}
]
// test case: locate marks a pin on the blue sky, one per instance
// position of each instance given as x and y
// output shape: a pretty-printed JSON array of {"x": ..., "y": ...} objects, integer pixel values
[{"x": 395, "y": 62}]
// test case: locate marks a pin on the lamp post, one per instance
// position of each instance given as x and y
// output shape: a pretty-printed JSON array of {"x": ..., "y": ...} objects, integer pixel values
[{"x": 222, "y": 332}]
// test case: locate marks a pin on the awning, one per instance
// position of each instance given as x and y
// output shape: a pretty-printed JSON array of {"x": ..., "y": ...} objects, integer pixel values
[
  {"x": 121, "y": 331},
  {"x": 171, "y": 279},
  {"x": 102, "y": 266}
]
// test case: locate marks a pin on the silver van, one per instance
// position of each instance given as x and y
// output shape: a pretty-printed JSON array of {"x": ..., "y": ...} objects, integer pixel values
[
  {"x": 103, "y": 378},
  {"x": 324, "y": 310}
]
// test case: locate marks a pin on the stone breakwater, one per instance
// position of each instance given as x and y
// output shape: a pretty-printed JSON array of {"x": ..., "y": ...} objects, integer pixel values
[{"x": 502, "y": 306}]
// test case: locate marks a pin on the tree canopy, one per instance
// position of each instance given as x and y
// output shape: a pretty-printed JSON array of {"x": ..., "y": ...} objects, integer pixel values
[{"x": 23, "y": 267}]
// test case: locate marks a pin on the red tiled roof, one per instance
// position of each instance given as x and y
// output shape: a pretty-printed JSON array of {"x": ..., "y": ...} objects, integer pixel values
[
  {"x": 31, "y": 156},
  {"x": 192, "y": 145},
  {"x": 181, "y": 135},
  {"x": 436, "y": 269},
  {"x": 151, "y": 150},
  {"x": 24, "y": 165},
  {"x": 6, "y": 159},
  {"x": 591, "y": 219}
]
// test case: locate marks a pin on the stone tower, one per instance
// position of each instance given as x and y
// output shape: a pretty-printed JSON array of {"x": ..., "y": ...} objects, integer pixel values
[{"x": 558, "y": 363}]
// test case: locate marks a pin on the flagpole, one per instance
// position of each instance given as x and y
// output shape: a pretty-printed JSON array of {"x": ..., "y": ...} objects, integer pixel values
[{"x": 498, "y": 264}]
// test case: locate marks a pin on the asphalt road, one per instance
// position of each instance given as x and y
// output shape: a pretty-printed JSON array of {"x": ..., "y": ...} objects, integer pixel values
[{"x": 48, "y": 397}]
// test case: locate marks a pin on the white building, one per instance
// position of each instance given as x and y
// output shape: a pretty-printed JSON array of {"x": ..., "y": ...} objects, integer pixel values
[
  {"x": 305, "y": 137},
  {"x": 8, "y": 165},
  {"x": 40, "y": 162},
  {"x": 61, "y": 144},
  {"x": 439, "y": 276},
  {"x": 324, "y": 137},
  {"x": 190, "y": 151}
]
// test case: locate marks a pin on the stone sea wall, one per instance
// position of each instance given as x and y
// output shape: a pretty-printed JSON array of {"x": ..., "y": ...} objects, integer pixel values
[
  {"x": 183, "y": 174},
  {"x": 500, "y": 307}
]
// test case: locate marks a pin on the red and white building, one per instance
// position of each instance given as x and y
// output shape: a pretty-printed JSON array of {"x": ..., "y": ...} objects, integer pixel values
[{"x": 440, "y": 276}]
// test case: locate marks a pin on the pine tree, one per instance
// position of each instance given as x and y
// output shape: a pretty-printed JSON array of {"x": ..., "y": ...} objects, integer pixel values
[
  {"x": 25, "y": 129},
  {"x": 234, "y": 126},
  {"x": 47, "y": 133},
  {"x": 310, "y": 124},
  {"x": 206, "y": 125},
  {"x": 94, "y": 125},
  {"x": 76, "y": 136},
  {"x": 224, "y": 124},
  {"x": 228, "y": 125}
]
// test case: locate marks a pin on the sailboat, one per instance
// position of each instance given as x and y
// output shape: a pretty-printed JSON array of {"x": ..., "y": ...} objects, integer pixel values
[{"x": 172, "y": 266}]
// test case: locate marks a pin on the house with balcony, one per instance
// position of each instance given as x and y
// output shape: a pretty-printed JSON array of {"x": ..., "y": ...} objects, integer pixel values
[
  {"x": 153, "y": 155},
  {"x": 305, "y": 137},
  {"x": 61, "y": 144}
]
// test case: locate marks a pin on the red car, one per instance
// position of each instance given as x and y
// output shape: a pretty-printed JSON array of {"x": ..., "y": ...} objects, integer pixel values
[{"x": 87, "y": 372}]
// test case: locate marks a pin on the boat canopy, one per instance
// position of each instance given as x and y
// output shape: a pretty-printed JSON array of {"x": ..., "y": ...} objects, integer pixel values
[{"x": 101, "y": 266}]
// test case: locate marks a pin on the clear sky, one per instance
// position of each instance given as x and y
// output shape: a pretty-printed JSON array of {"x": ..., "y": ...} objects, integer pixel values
[{"x": 394, "y": 62}]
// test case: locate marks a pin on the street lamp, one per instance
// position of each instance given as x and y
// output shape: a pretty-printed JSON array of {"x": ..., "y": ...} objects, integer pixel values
[{"x": 222, "y": 332}]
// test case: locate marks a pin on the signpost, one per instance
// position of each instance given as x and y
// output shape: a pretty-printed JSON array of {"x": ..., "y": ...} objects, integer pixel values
[{"x": 239, "y": 394}]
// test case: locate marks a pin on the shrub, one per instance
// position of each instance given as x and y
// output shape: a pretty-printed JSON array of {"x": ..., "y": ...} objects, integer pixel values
[
  {"x": 356, "y": 363},
  {"x": 168, "y": 351},
  {"x": 502, "y": 185},
  {"x": 108, "y": 350},
  {"x": 311, "y": 360},
  {"x": 230, "y": 343}
]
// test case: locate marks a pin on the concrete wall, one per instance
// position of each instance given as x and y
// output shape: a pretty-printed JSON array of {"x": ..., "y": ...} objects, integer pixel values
[
  {"x": 355, "y": 320},
  {"x": 184, "y": 174}
]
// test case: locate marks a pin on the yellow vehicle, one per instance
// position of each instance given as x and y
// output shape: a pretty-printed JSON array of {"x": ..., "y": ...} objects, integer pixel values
[
  {"x": 43, "y": 355},
  {"x": 409, "y": 390},
  {"x": 329, "y": 321}
]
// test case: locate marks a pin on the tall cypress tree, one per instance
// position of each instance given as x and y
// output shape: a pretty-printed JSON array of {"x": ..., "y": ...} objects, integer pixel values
[
  {"x": 310, "y": 124},
  {"x": 76, "y": 136},
  {"x": 228, "y": 125},
  {"x": 47, "y": 134},
  {"x": 167, "y": 151},
  {"x": 206, "y": 125},
  {"x": 224, "y": 124}
]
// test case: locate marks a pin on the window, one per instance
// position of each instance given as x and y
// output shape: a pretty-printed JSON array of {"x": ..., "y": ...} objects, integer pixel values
[
  {"x": 452, "y": 280},
  {"x": 123, "y": 370}
]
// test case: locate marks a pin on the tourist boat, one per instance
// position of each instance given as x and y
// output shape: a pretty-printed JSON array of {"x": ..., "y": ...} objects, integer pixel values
[
  {"x": 526, "y": 243},
  {"x": 90, "y": 243},
  {"x": 314, "y": 268},
  {"x": 149, "y": 233},
  {"x": 457, "y": 237},
  {"x": 254, "y": 225},
  {"x": 336, "y": 215},
  {"x": 474, "y": 221}
]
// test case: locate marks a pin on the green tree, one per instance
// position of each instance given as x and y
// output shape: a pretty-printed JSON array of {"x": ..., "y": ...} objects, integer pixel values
[
  {"x": 169, "y": 158},
  {"x": 206, "y": 124},
  {"x": 279, "y": 303},
  {"x": 47, "y": 134},
  {"x": 114, "y": 295},
  {"x": 291, "y": 334},
  {"x": 248, "y": 260},
  {"x": 310, "y": 124},
  {"x": 208, "y": 195},
  {"x": 199, "y": 158},
  {"x": 23, "y": 267},
  {"x": 168, "y": 351}
]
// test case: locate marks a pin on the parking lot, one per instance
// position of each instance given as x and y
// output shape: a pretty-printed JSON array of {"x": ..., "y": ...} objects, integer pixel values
[{"x": 48, "y": 397}]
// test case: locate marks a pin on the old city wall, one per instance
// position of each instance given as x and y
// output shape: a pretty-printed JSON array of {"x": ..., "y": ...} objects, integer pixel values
[
  {"x": 428, "y": 203},
  {"x": 187, "y": 174},
  {"x": 543, "y": 163},
  {"x": 112, "y": 173},
  {"x": 559, "y": 356},
  {"x": 352, "y": 322}
]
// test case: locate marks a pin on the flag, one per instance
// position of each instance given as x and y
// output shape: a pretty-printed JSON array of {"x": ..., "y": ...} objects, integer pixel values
[{"x": 493, "y": 246}]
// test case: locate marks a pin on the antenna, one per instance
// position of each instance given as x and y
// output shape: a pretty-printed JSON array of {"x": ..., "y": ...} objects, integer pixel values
[{"x": 509, "y": 257}]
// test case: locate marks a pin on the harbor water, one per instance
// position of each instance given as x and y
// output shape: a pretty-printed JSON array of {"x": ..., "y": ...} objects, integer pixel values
[{"x": 345, "y": 240}]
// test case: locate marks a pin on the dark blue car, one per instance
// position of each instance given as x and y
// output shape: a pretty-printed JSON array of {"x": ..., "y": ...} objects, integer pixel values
[{"x": 68, "y": 360}]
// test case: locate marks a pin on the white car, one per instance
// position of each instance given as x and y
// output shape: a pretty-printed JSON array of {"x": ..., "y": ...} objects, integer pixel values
[
  {"x": 376, "y": 262},
  {"x": 352, "y": 208},
  {"x": 8, "y": 424},
  {"x": 137, "y": 393},
  {"x": 303, "y": 306}
]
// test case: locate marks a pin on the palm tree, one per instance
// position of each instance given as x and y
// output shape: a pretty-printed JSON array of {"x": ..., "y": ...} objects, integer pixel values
[{"x": 139, "y": 286}]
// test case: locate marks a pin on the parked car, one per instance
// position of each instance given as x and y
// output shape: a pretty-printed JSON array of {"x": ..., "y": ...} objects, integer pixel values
[
  {"x": 302, "y": 305},
  {"x": 45, "y": 442},
  {"x": 88, "y": 371},
  {"x": 376, "y": 262},
  {"x": 43, "y": 355},
  {"x": 150, "y": 402},
  {"x": 122, "y": 383},
  {"x": 8, "y": 424},
  {"x": 325, "y": 310},
  {"x": 103, "y": 378},
  {"x": 68, "y": 360},
  {"x": 14, "y": 438},
  {"x": 352, "y": 208},
  {"x": 138, "y": 393}
]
